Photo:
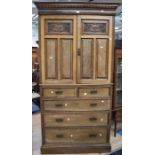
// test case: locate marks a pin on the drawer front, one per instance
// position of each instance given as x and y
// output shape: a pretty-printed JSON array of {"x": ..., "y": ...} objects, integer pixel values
[
  {"x": 76, "y": 119},
  {"x": 78, "y": 135},
  {"x": 94, "y": 92},
  {"x": 80, "y": 105},
  {"x": 68, "y": 92}
]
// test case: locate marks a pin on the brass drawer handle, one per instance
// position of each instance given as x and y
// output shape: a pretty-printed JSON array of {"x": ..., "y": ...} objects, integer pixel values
[
  {"x": 60, "y": 136},
  {"x": 58, "y": 92},
  {"x": 59, "y": 120},
  {"x": 59, "y": 105},
  {"x": 93, "y": 104},
  {"x": 93, "y": 135},
  {"x": 93, "y": 92},
  {"x": 93, "y": 119}
]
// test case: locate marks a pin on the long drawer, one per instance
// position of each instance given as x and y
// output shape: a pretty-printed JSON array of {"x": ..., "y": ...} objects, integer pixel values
[
  {"x": 77, "y": 105},
  {"x": 77, "y": 135},
  {"x": 76, "y": 119},
  {"x": 94, "y": 92}
]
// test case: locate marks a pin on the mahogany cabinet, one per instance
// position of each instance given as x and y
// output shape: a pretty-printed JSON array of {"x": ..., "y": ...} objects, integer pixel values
[{"x": 76, "y": 61}]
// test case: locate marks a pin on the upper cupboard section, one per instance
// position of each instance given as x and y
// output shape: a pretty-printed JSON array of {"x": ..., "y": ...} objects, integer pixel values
[
  {"x": 76, "y": 49},
  {"x": 58, "y": 49},
  {"x": 94, "y": 44}
]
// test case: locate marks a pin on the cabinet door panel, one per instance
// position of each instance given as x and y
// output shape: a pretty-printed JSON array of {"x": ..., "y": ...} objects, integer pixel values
[
  {"x": 51, "y": 59},
  {"x": 66, "y": 58},
  {"x": 102, "y": 58},
  {"x": 86, "y": 58}
]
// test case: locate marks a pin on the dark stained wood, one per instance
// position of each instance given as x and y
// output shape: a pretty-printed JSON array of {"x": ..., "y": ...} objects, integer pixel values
[
  {"x": 81, "y": 1},
  {"x": 58, "y": 28},
  {"x": 95, "y": 27},
  {"x": 45, "y": 7}
]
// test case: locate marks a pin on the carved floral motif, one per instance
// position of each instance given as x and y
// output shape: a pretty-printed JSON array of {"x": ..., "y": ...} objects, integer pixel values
[
  {"x": 59, "y": 28},
  {"x": 94, "y": 28}
]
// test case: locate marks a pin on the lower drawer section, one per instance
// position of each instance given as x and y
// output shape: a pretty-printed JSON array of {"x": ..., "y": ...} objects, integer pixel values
[
  {"x": 87, "y": 135},
  {"x": 76, "y": 119},
  {"x": 75, "y": 148},
  {"x": 77, "y": 105}
]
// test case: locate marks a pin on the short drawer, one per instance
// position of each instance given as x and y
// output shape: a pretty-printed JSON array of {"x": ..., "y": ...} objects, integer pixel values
[
  {"x": 76, "y": 119},
  {"x": 94, "y": 92},
  {"x": 67, "y": 92},
  {"x": 77, "y": 105},
  {"x": 76, "y": 135}
]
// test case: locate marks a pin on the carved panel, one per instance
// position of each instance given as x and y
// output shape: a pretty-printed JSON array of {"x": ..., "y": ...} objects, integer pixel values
[
  {"x": 58, "y": 27},
  {"x": 94, "y": 27}
]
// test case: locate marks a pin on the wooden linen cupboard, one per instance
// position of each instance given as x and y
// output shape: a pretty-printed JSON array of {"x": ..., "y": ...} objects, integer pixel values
[{"x": 76, "y": 61}]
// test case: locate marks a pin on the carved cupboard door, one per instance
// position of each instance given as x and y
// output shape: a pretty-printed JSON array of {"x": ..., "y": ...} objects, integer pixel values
[
  {"x": 58, "y": 51},
  {"x": 94, "y": 52}
]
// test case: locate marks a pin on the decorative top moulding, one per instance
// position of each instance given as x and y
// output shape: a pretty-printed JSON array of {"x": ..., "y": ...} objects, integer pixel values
[
  {"x": 45, "y": 7},
  {"x": 81, "y": 1}
]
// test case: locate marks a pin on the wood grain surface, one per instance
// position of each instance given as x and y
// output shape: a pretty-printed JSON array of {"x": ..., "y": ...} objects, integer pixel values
[{"x": 116, "y": 142}]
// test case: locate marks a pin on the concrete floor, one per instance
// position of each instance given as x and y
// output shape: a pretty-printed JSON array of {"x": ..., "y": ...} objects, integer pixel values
[{"x": 36, "y": 137}]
